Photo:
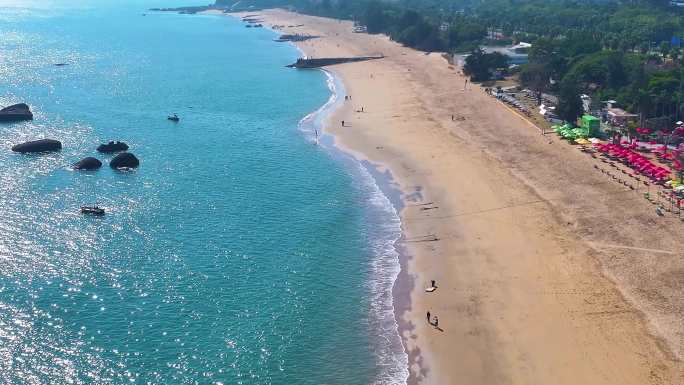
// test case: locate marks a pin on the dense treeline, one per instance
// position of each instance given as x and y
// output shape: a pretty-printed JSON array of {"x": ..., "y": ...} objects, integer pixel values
[
  {"x": 610, "y": 50},
  {"x": 633, "y": 26}
]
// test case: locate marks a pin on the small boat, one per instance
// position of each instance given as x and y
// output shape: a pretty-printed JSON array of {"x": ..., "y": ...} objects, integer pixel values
[
  {"x": 173, "y": 118},
  {"x": 92, "y": 210}
]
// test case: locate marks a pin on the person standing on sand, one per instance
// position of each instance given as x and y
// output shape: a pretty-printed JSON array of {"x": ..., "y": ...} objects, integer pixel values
[
  {"x": 428, "y": 316},
  {"x": 436, "y": 322},
  {"x": 343, "y": 123}
]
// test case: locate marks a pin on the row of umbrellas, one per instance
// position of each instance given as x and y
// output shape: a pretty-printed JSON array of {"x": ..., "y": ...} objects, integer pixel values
[
  {"x": 679, "y": 130},
  {"x": 662, "y": 152},
  {"x": 637, "y": 161}
]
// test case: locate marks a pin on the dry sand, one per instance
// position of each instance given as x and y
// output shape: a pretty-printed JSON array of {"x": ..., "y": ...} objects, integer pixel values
[{"x": 548, "y": 272}]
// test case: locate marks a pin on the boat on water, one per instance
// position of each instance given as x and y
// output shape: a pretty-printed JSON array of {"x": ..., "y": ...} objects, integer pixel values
[
  {"x": 173, "y": 118},
  {"x": 92, "y": 210}
]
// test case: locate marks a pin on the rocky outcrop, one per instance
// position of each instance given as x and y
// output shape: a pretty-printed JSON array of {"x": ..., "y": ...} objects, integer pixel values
[
  {"x": 124, "y": 160},
  {"x": 15, "y": 113},
  {"x": 42, "y": 145},
  {"x": 88, "y": 163},
  {"x": 111, "y": 147}
]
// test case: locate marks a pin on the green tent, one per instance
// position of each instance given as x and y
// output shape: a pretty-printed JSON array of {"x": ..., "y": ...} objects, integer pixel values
[{"x": 591, "y": 124}]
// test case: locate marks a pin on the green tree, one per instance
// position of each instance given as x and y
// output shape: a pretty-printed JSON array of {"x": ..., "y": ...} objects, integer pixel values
[
  {"x": 569, "y": 101},
  {"x": 374, "y": 17},
  {"x": 480, "y": 65}
]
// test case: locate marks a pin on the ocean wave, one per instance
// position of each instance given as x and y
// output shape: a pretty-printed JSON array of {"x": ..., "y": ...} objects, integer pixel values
[{"x": 392, "y": 359}]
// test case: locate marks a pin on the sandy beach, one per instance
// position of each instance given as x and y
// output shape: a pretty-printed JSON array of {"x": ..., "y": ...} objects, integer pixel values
[{"x": 547, "y": 271}]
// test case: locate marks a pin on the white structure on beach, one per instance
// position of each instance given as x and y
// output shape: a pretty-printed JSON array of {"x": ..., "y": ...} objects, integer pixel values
[{"x": 517, "y": 54}]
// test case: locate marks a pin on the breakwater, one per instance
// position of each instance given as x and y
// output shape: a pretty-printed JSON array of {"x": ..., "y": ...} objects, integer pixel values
[{"x": 323, "y": 62}]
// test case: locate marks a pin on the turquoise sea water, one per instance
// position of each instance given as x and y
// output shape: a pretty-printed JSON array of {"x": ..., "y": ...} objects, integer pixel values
[{"x": 238, "y": 253}]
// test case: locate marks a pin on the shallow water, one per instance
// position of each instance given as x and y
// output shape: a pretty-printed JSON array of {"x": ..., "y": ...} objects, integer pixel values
[{"x": 238, "y": 253}]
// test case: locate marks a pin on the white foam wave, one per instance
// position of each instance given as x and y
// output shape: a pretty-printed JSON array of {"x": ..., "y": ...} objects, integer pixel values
[{"x": 392, "y": 359}]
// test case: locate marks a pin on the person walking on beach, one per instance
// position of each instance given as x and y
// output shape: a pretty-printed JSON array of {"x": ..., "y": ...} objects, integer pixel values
[
  {"x": 343, "y": 123},
  {"x": 428, "y": 316},
  {"x": 436, "y": 322}
]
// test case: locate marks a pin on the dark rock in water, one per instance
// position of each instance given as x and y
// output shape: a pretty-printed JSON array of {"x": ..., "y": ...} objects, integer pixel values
[
  {"x": 112, "y": 147},
  {"x": 42, "y": 145},
  {"x": 88, "y": 163},
  {"x": 124, "y": 160},
  {"x": 16, "y": 112}
]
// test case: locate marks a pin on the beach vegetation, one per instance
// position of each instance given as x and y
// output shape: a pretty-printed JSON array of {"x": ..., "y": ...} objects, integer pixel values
[
  {"x": 480, "y": 66},
  {"x": 569, "y": 103},
  {"x": 626, "y": 51}
]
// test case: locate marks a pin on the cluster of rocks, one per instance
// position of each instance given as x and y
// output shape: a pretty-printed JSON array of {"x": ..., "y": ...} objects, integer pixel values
[{"x": 124, "y": 160}]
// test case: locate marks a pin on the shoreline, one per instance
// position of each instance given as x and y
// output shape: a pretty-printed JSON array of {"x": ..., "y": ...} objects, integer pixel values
[
  {"x": 386, "y": 186},
  {"x": 525, "y": 294}
]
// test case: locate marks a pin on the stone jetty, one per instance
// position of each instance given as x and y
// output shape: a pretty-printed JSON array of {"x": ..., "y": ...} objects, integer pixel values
[
  {"x": 322, "y": 62},
  {"x": 294, "y": 38}
]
